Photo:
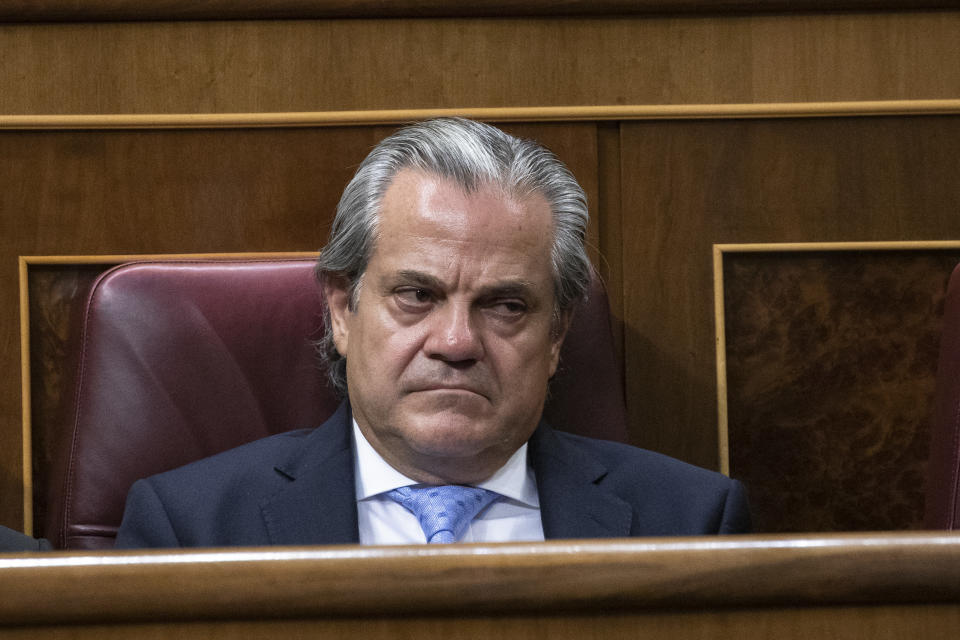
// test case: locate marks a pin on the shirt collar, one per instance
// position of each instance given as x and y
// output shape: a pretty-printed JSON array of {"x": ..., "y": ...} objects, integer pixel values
[{"x": 374, "y": 475}]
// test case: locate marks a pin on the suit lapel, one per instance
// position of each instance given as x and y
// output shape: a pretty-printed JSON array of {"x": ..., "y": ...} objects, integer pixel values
[
  {"x": 317, "y": 503},
  {"x": 573, "y": 502}
]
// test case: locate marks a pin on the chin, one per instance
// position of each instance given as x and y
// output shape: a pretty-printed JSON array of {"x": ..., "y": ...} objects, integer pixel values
[
  {"x": 449, "y": 435},
  {"x": 459, "y": 410}
]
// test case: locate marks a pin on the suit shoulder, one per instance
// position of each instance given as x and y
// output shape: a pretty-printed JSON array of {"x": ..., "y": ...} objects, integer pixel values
[
  {"x": 242, "y": 460},
  {"x": 634, "y": 462},
  {"x": 668, "y": 496},
  {"x": 256, "y": 466}
]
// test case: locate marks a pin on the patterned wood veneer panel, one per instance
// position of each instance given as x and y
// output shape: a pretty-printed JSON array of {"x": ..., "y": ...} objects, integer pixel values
[
  {"x": 831, "y": 363},
  {"x": 58, "y": 293}
]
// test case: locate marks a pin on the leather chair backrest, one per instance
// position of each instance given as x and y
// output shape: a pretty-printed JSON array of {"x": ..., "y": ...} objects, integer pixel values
[
  {"x": 942, "y": 509},
  {"x": 179, "y": 360}
]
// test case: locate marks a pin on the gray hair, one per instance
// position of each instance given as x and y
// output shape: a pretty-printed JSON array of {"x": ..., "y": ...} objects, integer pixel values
[{"x": 472, "y": 154}]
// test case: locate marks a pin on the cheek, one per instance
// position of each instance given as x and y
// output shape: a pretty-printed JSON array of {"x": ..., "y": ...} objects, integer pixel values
[
  {"x": 528, "y": 363},
  {"x": 387, "y": 347}
]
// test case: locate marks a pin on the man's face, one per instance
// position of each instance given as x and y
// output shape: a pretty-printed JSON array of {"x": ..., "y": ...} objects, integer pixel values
[{"x": 449, "y": 348}]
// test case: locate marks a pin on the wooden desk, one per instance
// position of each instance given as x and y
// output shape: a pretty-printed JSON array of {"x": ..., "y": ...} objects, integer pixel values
[{"x": 850, "y": 586}]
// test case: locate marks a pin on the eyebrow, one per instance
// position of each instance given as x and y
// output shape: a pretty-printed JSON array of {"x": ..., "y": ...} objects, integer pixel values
[
  {"x": 418, "y": 278},
  {"x": 509, "y": 289},
  {"x": 504, "y": 288}
]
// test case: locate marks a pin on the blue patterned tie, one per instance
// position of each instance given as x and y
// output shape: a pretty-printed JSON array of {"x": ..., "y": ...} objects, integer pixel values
[{"x": 445, "y": 511}]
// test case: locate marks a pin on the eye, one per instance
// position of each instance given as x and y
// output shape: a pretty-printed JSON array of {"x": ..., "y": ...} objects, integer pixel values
[
  {"x": 508, "y": 309},
  {"x": 414, "y": 298}
]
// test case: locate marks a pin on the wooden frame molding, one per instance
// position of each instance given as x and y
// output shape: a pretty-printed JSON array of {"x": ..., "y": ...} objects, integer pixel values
[
  {"x": 107, "y": 10},
  {"x": 25, "y": 262},
  {"x": 506, "y": 114},
  {"x": 721, "y": 250}
]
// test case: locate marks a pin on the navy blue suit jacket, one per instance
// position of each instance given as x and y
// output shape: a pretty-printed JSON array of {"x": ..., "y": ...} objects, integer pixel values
[
  {"x": 11, "y": 540},
  {"x": 297, "y": 488}
]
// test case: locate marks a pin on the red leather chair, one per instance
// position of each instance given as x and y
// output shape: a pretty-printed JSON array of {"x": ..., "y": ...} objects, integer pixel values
[
  {"x": 180, "y": 360},
  {"x": 943, "y": 478}
]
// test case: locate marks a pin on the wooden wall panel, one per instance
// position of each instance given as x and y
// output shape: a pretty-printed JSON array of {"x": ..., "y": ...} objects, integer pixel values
[
  {"x": 831, "y": 360},
  {"x": 130, "y": 192},
  {"x": 688, "y": 185},
  {"x": 258, "y": 66}
]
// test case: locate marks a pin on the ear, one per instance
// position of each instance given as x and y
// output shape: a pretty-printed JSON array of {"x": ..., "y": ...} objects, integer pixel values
[
  {"x": 337, "y": 294},
  {"x": 557, "y": 340}
]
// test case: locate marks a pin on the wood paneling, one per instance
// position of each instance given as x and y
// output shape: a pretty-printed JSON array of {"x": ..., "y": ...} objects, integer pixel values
[
  {"x": 664, "y": 190},
  {"x": 688, "y": 185},
  {"x": 610, "y": 215},
  {"x": 888, "y": 622},
  {"x": 56, "y": 301},
  {"x": 831, "y": 360},
  {"x": 501, "y": 115},
  {"x": 263, "y": 66},
  {"x": 60, "y": 10}
]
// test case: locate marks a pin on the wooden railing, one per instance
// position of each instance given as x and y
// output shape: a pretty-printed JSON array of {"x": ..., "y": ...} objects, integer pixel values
[{"x": 851, "y": 586}]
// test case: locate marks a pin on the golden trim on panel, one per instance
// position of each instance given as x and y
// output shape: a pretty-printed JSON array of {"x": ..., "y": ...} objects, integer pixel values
[
  {"x": 25, "y": 262},
  {"x": 26, "y": 407},
  {"x": 723, "y": 440},
  {"x": 492, "y": 114},
  {"x": 719, "y": 250},
  {"x": 145, "y": 257},
  {"x": 897, "y": 245}
]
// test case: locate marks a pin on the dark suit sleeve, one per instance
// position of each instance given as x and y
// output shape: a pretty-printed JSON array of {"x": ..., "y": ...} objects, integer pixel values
[
  {"x": 736, "y": 513},
  {"x": 11, "y": 540},
  {"x": 145, "y": 521}
]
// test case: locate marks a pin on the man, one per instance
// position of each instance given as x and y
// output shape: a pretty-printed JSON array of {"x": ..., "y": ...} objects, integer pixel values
[{"x": 454, "y": 265}]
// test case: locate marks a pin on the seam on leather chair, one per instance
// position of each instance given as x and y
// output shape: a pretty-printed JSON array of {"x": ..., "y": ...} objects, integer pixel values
[{"x": 78, "y": 404}]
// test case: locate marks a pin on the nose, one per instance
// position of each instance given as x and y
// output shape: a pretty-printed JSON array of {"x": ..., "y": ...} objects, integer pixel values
[{"x": 454, "y": 336}]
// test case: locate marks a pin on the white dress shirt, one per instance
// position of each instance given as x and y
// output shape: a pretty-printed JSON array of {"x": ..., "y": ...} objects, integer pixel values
[{"x": 515, "y": 516}]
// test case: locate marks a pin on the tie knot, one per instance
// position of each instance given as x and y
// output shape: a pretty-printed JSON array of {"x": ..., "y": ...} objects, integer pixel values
[{"x": 444, "y": 512}]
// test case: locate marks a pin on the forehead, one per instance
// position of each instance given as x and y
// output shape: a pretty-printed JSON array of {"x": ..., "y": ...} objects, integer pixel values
[{"x": 422, "y": 215}]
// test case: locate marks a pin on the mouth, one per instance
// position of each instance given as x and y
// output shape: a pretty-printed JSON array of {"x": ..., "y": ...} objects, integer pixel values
[{"x": 449, "y": 388}]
